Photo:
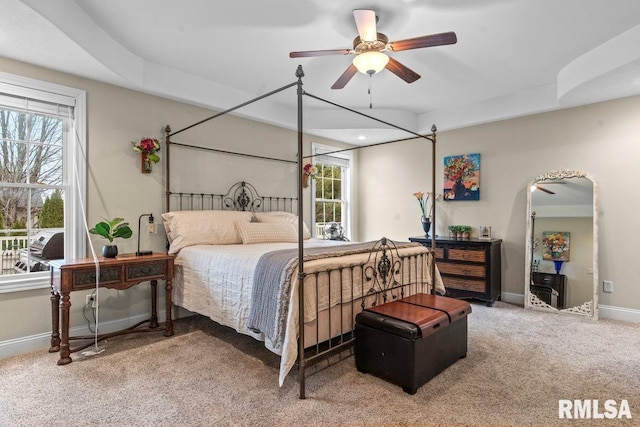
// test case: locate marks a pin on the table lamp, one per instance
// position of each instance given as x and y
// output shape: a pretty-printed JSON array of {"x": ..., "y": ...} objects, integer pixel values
[{"x": 139, "y": 252}]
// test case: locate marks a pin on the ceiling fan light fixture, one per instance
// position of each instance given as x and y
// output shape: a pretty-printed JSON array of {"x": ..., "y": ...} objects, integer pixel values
[{"x": 370, "y": 62}]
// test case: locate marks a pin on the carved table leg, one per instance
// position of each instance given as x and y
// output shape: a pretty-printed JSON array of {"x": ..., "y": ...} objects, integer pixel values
[
  {"x": 153, "y": 322},
  {"x": 169, "y": 323},
  {"x": 55, "y": 322},
  {"x": 65, "y": 354}
]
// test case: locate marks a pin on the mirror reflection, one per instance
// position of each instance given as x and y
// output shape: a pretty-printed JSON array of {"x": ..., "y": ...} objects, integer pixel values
[{"x": 561, "y": 255}]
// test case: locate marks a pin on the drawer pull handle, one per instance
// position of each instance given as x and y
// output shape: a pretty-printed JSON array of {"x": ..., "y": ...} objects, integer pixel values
[{"x": 145, "y": 270}]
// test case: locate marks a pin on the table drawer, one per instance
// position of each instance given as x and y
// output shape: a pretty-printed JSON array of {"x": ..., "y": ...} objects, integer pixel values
[
  {"x": 467, "y": 255},
  {"x": 146, "y": 270},
  {"x": 464, "y": 284},
  {"x": 88, "y": 277},
  {"x": 463, "y": 269},
  {"x": 548, "y": 279},
  {"x": 439, "y": 252}
]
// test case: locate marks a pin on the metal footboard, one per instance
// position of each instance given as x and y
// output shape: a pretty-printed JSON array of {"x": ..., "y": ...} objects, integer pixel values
[{"x": 384, "y": 276}]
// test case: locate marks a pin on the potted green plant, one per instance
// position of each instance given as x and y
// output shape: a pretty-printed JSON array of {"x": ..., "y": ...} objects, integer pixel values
[
  {"x": 111, "y": 230},
  {"x": 466, "y": 231},
  {"x": 453, "y": 231}
]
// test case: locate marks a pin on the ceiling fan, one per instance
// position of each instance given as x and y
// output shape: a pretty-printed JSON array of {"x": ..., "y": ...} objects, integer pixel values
[{"x": 369, "y": 47}]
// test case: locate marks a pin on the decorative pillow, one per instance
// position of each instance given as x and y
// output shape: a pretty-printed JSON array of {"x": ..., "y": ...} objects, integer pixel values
[
  {"x": 188, "y": 228},
  {"x": 260, "y": 232},
  {"x": 282, "y": 217}
]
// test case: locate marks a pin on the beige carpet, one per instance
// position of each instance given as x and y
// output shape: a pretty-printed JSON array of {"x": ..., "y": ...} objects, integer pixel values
[{"x": 519, "y": 364}]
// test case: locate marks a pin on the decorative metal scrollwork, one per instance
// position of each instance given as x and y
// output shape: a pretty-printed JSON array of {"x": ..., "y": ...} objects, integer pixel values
[
  {"x": 242, "y": 196},
  {"x": 383, "y": 271}
]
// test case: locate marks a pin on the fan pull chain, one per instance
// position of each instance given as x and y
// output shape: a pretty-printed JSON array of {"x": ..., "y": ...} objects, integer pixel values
[{"x": 370, "y": 95}]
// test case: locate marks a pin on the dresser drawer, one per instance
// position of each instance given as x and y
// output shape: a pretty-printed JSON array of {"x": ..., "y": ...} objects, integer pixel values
[
  {"x": 464, "y": 284},
  {"x": 146, "y": 270},
  {"x": 479, "y": 271},
  {"x": 439, "y": 252},
  {"x": 87, "y": 277},
  {"x": 467, "y": 255}
]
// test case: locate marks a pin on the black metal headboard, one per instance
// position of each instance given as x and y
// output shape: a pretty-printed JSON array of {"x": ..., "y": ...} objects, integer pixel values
[{"x": 241, "y": 196}]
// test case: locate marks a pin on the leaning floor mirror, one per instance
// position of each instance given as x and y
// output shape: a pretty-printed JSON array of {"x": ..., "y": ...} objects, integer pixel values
[{"x": 561, "y": 256}]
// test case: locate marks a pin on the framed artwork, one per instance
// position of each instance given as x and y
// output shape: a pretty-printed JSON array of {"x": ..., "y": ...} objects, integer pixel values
[
  {"x": 556, "y": 245},
  {"x": 484, "y": 232},
  {"x": 462, "y": 177}
]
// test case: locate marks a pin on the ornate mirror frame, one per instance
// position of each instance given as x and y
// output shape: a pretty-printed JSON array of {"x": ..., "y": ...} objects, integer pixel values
[{"x": 531, "y": 301}]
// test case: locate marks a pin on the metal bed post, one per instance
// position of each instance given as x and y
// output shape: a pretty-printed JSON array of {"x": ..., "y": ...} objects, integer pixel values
[
  {"x": 432, "y": 138},
  {"x": 167, "y": 190},
  {"x": 301, "y": 274}
]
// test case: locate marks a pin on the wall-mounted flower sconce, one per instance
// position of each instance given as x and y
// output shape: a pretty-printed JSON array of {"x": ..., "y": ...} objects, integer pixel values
[
  {"x": 147, "y": 147},
  {"x": 308, "y": 171}
]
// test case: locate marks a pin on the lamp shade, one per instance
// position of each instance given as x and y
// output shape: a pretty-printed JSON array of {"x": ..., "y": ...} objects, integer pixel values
[{"x": 370, "y": 62}]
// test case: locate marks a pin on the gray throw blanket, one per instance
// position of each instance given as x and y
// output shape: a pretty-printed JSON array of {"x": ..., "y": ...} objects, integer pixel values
[{"x": 272, "y": 285}]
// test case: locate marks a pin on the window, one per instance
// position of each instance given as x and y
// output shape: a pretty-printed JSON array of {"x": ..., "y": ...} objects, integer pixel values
[
  {"x": 42, "y": 179},
  {"x": 331, "y": 201}
]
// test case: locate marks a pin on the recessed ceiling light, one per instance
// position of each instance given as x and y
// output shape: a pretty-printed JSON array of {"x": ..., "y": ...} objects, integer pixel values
[{"x": 362, "y": 137}]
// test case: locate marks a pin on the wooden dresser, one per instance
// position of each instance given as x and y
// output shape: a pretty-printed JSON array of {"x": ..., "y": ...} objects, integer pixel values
[{"x": 469, "y": 268}]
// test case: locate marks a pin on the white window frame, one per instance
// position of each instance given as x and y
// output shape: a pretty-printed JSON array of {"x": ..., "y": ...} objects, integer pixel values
[
  {"x": 347, "y": 186},
  {"x": 74, "y": 169}
]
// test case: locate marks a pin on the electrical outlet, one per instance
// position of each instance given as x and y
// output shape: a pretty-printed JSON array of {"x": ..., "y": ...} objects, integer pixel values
[
  {"x": 91, "y": 299},
  {"x": 607, "y": 286}
]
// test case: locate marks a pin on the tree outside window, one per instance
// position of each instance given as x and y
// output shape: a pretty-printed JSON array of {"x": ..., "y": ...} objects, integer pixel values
[{"x": 31, "y": 192}]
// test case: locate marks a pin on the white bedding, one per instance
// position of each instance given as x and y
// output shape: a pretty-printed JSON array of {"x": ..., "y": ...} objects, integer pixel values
[{"x": 216, "y": 281}]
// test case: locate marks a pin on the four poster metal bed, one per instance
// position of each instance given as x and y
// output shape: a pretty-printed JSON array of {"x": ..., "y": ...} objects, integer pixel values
[{"x": 317, "y": 291}]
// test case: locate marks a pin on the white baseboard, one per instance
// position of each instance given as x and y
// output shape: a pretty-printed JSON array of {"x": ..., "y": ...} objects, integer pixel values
[
  {"x": 618, "y": 313},
  {"x": 512, "y": 298},
  {"x": 42, "y": 341}
]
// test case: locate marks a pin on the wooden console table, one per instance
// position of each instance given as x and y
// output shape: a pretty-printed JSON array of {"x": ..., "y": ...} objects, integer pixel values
[{"x": 120, "y": 273}]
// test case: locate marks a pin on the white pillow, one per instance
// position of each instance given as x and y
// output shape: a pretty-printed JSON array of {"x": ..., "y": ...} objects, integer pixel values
[
  {"x": 188, "y": 228},
  {"x": 283, "y": 217},
  {"x": 261, "y": 232}
]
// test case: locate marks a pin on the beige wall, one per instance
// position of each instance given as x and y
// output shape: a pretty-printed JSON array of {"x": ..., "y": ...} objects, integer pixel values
[
  {"x": 116, "y": 187},
  {"x": 601, "y": 139}
]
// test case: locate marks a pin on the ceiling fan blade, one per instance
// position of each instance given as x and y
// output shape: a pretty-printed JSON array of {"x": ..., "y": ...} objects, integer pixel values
[
  {"x": 345, "y": 77},
  {"x": 402, "y": 71},
  {"x": 424, "y": 41},
  {"x": 544, "y": 189},
  {"x": 306, "y": 53},
  {"x": 366, "y": 23}
]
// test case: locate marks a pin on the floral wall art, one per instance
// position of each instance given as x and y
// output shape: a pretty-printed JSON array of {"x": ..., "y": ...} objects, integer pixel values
[
  {"x": 462, "y": 177},
  {"x": 555, "y": 245}
]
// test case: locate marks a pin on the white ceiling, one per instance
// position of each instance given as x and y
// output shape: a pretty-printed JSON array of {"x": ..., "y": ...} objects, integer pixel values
[{"x": 512, "y": 57}]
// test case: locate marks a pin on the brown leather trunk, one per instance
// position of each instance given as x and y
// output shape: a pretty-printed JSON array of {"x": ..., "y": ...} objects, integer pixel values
[{"x": 411, "y": 340}]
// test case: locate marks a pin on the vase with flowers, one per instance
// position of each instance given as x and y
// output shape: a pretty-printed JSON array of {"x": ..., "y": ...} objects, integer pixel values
[
  {"x": 423, "y": 199},
  {"x": 147, "y": 147},
  {"x": 556, "y": 248},
  {"x": 308, "y": 171}
]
